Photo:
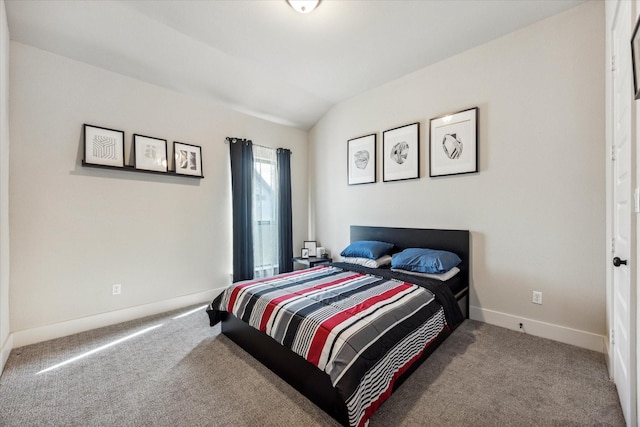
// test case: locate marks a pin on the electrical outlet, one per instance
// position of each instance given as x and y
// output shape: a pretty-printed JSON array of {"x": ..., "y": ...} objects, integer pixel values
[
  {"x": 537, "y": 297},
  {"x": 117, "y": 289}
]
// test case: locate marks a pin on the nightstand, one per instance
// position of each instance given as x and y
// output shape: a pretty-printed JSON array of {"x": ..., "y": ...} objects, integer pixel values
[{"x": 311, "y": 261}]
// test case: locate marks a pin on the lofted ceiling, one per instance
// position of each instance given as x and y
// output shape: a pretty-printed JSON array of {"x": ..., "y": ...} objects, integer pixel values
[{"x": 262, "y": 58}]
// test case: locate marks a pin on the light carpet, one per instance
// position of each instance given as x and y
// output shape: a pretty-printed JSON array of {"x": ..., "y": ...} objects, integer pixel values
[{"x": 184, "y": 373}]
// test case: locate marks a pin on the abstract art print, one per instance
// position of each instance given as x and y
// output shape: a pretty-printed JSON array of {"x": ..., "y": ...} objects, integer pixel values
[
  {"x": 361, "y": 154},
  {"x": 103, "y": 146},
  {"x": 401, "y": 153},
  {"x": 187, "y": 159},
  {"x": 453, "y": 143},
  {"x": 150, "y": 153}
]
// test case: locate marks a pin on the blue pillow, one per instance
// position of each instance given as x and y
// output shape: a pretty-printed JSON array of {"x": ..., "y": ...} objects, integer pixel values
[
  {"x": 425, "y": 260},
  {"x": 371, "y": 249}
]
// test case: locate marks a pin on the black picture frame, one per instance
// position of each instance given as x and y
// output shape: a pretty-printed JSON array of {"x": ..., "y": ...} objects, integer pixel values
[
  {"x": 149, "y": 153},
  {"x": 453, "y": 143},
  {"x": 635, "y": 59},
  {"x": 103, "y": 146},
  {"x": 304, "y": 253},
  {"x": 361, "y": 160},
  {"x": 187, "y": 159},
  {"x": 401, "y": 153},
  {"x": 312, "y": 246}
]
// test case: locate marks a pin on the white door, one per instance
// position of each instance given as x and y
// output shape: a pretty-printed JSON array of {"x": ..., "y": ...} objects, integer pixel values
[{"x": 623, "y": 339}]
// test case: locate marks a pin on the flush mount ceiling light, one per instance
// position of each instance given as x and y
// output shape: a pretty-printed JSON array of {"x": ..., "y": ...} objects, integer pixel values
[{"x": 303, "y": 6}]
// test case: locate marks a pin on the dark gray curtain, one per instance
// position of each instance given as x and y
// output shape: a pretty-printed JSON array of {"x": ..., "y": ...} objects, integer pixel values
[
  {"x": 241, "y": 152},
  {"x": 285, "y": 244}
]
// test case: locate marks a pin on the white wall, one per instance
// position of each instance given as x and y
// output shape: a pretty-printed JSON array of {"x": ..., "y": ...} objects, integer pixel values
[
  {"x": 536, "y": 209},
  {"x": 77, "y": 231},
  {"x": 5, "y": 342}
]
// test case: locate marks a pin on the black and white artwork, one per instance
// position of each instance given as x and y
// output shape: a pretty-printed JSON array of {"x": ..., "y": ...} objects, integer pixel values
[
  {"x": 187, "y": 159},
  {"x": 150, "y": 153},
  {"x": 453, "y": 143},
  {"x": 361, "y": 154},
  {"x": 401, "y": 153},
  {"x": 103, "y": 146}
]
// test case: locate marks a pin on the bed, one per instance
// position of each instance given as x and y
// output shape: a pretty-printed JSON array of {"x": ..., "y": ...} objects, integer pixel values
[{"x": 330, "y": 383}]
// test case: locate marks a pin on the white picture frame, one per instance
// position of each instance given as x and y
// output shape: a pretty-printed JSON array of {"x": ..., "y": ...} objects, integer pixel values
[{"x": 312, "y": 246}]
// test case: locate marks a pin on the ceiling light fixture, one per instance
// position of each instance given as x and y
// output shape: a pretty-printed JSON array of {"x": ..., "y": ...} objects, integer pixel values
[{"x": 303, "y": 6}]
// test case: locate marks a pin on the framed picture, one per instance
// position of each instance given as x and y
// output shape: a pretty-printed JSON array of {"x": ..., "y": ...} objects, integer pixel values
[
  {"x": 187, "y": 159},
  {"x": 635, "y": 59},
  {"x": 361, "y": 155},
  {"x": 103, "y": 146},
  {"x": 311, "y": 246},
  {"x": 401, "y": 153},
  {"x": 305, "y": 253},
  {"x": 149, "y": 153},
  {"x": 453, "y": 143}
]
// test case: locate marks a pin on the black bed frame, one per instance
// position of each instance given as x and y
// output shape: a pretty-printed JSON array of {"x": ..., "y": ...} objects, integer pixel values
[{"x": 307, "y": 378}]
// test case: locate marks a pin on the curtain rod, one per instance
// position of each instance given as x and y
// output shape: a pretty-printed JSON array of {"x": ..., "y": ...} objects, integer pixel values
[{"x": 228, "y": 140}]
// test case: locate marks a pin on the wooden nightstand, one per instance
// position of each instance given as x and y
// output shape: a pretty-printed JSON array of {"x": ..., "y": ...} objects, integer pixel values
[{"x": 311, "y": 261}]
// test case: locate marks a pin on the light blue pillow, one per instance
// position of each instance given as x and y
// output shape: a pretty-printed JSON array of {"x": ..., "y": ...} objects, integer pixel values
[
  {"x": 425, "y": 260},
  {"x": 371, "y": 249}
]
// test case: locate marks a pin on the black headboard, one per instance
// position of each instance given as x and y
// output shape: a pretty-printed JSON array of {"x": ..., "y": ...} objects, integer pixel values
[{"x": 456, "y": 241}]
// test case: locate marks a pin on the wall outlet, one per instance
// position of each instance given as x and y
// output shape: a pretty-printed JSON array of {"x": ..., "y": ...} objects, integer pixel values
[
  {"x": 117, "y": 289},
  {"x": 537, "y": 297}
]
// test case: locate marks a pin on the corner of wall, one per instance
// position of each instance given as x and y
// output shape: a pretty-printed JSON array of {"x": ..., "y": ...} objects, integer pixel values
[
  {"x": 5, "y": 350},
  {"x": 6, "y": 342}
]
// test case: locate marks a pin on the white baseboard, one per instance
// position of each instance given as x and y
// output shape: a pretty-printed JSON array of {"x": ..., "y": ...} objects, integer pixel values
[
  {"x": 5, "y": 349},
  {"x": 563, "y": 334},
  {"x": 62, "y": 329}
]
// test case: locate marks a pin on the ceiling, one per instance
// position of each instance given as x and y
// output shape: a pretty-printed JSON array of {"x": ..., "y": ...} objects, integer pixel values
[{"x": 262, "y": 58}]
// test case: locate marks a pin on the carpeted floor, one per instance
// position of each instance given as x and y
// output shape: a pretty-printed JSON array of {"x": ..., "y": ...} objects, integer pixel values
[{"x": 184, "y": 373}]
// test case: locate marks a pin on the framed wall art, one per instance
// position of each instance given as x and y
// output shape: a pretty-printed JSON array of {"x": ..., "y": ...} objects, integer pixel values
[
  {"x": 187, "y": 159},
  {"x": 304, "y": 253},
  {"x": 453, "y": 143},
  {"x": 103, "y": 146},
  {"x": 149, "y": 153},
  {"x": 361, "y": 154},
  {"x": 401, "y": 153}
]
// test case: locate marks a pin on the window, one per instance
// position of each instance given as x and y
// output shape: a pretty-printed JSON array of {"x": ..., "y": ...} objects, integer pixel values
[{"x": 265, "y": 214}]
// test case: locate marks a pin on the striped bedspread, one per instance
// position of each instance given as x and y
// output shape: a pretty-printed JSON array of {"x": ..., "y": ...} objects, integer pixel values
[{"x": 363, "y": 331}]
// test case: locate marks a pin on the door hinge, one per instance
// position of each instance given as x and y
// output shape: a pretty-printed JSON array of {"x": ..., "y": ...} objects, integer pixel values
[
  {"x": 613, "y": 62},
  {"x": 612, "y": 339},
  {"x": 613, "y": 152},
  {"x": 613, "y": 244}
]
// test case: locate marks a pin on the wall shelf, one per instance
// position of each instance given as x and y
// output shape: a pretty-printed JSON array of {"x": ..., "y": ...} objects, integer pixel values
[{"x": 133, "y": 169}]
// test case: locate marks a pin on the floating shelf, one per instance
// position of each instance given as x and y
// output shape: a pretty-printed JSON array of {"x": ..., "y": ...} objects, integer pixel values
[{"x": 133, "y": 169}]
